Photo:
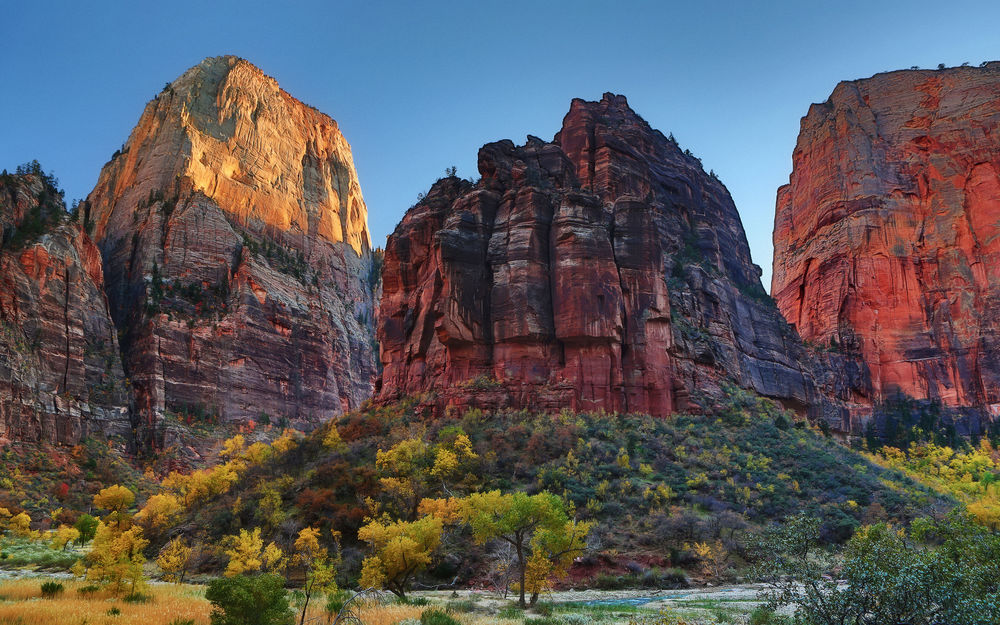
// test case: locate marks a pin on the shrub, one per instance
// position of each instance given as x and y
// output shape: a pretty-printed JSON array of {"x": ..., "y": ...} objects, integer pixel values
[
  {"x": 464, "y": 605},
  {"x": 51, "y": 589},
  {"x": 335, "y": 601},
  {"x": 762, "y": 615},
  {"x": 939, "y": 572},
  {"x": 182, "y": 621},
  {"x": 437, "y": 617},
  {"x": 114, "y": 612},
  {"x": 243, "y": 600},
  {"x": 87, "y": 590},
  {"x": 137, "y": 597},
  {"x": 543, "y": 609}
]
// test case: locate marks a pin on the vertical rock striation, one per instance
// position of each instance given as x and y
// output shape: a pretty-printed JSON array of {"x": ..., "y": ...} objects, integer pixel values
[
  {"x": 60, "y": 373},
  {"x": 236, "y": 254},
  {"x": 602, "y": 270},
  {"x": 887, "y": 237}
]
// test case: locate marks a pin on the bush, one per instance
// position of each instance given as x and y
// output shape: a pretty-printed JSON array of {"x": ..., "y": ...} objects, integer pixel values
[
  {"x": 114, "y": 612},
  {"x": 182, "y": 621},
  {"x": 543, "y": 609},
  {"x": 335, "y": 601},
  {"x": 762, "y": 615},
  {"x": 939, "y": 572},
  {"x": 87, "y": 590},
  {"x": 137, "y": 597},
  {"x": 462, "y": 606},
  {"x": 437, "y": 617},
  {"x": 243, "y": 600},
  {"x": 51, "y": 589}
]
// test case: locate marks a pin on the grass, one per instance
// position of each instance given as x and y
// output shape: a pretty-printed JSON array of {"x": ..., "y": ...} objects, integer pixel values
[
  {"x": 21, "y": 552},
  {"x": 22, "y": 603}
]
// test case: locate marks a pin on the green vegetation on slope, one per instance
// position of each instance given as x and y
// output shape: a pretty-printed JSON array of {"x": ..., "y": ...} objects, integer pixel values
[{"x": 678, "y": 491}]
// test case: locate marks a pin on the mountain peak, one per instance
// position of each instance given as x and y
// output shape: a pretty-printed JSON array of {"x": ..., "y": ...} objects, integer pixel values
[{"x": 267, "y": 159}]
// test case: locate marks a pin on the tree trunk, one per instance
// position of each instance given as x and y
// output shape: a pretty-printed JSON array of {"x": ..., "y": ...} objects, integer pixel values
[
  {"x": 534, "y": 599},
  {"x": 305, "y": 606},
  {"x": 521, "y": 572}
]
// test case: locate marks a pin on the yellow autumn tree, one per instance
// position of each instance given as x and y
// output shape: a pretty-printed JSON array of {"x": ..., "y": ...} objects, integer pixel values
[
  {"x": 318, "y": 568},
  {"x": 159, "y": 512},
  {"x": 450, "y": 458},
  {"x": 986, "y": 512},
  {"x": 247, "y": 553},
  {"x": 332, "y": 440},
  {"x": 20, "y": 525},
  {"x": 243, "y": 550},
  {"x": 203, "y": 484},
  {"x": 173, "y": 560},
  {"x": 63, "y": 536},
  {"x": 713, "y": 557},
  {"x": 233, "y": 448},
  {"x": 411, "y": 469},
  {"x": 116, "y": 500},
  {"x": 552, "y": 552},
  {"x": 405, "y": 468},
  {"x": 449, "y": 509},
  {"x": 399, "y": 550},
  {"x": 273, "y": 558},
  {"x": 257, "y": 453},
  {"x": 116, "y": 558}
]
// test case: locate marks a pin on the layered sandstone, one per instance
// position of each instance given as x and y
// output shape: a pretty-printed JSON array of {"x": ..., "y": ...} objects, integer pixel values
[
  {"x": 602, "y": 270},
  {"x": 236, "y": 254},
  {"x": 887, "y": 237},
  {"x": 60, "y": 374}
]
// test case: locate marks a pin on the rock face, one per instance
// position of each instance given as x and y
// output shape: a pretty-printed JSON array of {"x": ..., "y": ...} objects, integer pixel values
[
  {"x": 236, "y": 253},
  {"x": 602, "y": 270},
  {"x": 887, "y": 237},
  {"x": 60, "y": 373}
]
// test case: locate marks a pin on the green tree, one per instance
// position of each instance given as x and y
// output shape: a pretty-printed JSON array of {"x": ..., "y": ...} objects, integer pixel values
[
  {"x": 254, "y": 600},
  {"x": 941, "y": 572},
  {"x": 534, "y": 525},
  {"x": 87, "y": 526}
]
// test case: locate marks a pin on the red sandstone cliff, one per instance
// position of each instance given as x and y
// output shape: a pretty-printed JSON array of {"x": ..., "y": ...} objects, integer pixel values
[
  {"x": 236, "y": 253},
  {"x": 60, "y": 373},
  {"x": 887, "y": 237},
  {"x": 602, "y": 270}
]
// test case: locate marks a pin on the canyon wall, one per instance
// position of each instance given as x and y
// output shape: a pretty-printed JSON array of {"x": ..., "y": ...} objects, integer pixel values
[
  {"x": 60, "y": 373},
  {"x": 236, "y": 255},
  {"x": 604, "y": 269},
  {"x": 887, "y": 237}
]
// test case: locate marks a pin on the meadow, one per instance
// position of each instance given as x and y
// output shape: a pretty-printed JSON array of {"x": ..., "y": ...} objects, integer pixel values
[{"x": 23, "y": 603}]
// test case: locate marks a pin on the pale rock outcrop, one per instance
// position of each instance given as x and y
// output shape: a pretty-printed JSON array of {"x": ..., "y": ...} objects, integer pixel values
[{"x": 237, "y": 255}]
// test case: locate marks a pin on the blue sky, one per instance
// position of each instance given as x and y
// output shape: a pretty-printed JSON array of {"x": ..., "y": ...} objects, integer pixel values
[{"x": 420, "y": 86}]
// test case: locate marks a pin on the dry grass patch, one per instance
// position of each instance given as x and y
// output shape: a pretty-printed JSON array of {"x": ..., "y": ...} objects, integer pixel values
[{"x": 21, "y": 603}]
